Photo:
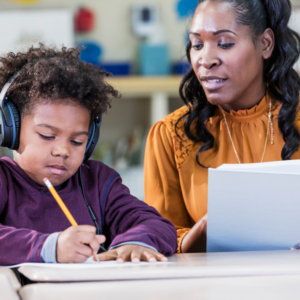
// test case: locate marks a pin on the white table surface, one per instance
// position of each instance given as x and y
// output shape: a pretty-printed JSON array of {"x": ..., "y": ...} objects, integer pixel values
[
  {"x": 7, "y": 292},
  {"x": 230, "y": 264},
  {"x": 10, "y": 278},
  {"x": 231, "y": 288}
]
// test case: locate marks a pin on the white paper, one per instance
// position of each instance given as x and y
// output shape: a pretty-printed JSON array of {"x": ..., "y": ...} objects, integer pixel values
[
  {"x": 253, "y": 207},
  {"x": 88, "y": 264}
]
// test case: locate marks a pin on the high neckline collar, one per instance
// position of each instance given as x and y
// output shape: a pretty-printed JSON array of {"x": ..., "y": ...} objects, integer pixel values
[{"x": 245, "y": 114}]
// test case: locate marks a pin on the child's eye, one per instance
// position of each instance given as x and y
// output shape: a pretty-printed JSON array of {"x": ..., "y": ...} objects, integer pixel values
[
  {"x": 226, "y": 46},
  {"x": 197, "y": 47},
  {"x": 76, "y": 143},
  {"x": 46, "y": 137}
]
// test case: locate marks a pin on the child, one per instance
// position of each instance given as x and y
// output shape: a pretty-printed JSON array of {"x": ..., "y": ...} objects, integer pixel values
[{"x": 59, "y": 99}]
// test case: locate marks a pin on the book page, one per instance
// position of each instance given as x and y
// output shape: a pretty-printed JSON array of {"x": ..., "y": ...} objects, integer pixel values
[{"x": 284, "y": 167}]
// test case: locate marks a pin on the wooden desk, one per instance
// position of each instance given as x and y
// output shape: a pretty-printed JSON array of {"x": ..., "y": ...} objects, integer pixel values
[
  {"x": 159, "y": 89},
  {"x": 231, "y": 288},
  {"x": 229, "y": 264}
]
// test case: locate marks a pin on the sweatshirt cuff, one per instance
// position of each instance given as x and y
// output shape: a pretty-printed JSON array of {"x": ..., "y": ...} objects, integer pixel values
[
  {"x": 48, "y": 253},
  {"x": 133, "y": 243}
]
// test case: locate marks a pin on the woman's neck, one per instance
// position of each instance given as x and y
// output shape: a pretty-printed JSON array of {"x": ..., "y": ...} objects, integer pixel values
[{"x": 247, "y": 100}]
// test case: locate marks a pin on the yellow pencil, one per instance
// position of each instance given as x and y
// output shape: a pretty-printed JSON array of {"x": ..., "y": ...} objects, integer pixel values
[{"x": 63, "y": 206}]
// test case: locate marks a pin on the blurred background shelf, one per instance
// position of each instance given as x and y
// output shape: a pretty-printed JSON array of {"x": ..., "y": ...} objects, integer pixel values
[
  {"x": 141, "y": 86},
  {"x": 158, "y": 89}
]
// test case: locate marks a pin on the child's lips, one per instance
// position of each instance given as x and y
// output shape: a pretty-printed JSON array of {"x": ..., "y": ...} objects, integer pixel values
[{"x": 57, "y": 170}]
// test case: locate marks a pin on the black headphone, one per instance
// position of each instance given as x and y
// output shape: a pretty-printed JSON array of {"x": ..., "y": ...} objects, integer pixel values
[{"x": 10, "y": 124}]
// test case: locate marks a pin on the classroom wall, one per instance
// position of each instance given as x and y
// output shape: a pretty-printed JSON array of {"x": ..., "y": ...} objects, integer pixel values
[{"x": 112, "y": 28}]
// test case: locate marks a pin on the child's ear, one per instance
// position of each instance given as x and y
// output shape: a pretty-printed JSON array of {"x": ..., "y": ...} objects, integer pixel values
[{"x": 268, "y": 43}]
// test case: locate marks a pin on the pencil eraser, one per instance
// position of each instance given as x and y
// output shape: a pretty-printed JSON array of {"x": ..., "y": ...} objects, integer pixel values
[{"x": 45, "y": 179}]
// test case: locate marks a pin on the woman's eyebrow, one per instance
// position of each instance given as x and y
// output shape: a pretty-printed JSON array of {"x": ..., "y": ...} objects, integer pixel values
[{"x": 215, "y": 32}]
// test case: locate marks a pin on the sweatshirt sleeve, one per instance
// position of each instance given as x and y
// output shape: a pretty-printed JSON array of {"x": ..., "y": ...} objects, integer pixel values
[
  {"x": 162, "y": 183},
  {"x": 17, "y": 245},
  {"x": 129, "y": 219}
]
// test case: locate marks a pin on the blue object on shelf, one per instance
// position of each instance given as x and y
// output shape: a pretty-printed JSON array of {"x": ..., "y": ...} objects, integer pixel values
[
  {"x": 91, "y": 53},
  {"x": 154, "y": 60},
  {"x": 181, "y": 67},
  {"x": 186, "y": 8},
  {"x": 116, "y": 68}
]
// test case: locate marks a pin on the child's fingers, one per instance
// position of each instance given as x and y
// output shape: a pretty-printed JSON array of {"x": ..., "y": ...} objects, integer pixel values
[
  {"x": 109, "y": 255},
  {"x": 149, "y": 256},
  {"x": 124, "y": 254},
  {"x": 136, "y": 256},
  {"x": 161, "y": 257},
  {"x": 94, "y": 244},
  {"x": 101, "y": 239},
  {"x": 79, "y": 258},
  {"x": 85, "y": 228},
  {"x": 85, "y": 250},
  {"x": 86, "y": 237}
]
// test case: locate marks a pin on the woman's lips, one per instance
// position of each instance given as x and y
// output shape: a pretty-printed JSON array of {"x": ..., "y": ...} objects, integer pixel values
[
  {"x": 212, "y": 83},
  {"x": 57, "y": 170}
]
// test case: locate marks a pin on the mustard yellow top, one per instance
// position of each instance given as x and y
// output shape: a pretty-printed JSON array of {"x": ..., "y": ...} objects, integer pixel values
[{"x": 177, "y": 186}]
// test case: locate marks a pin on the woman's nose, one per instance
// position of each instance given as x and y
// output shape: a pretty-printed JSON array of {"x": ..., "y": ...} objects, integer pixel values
[{"x": 209, "y": 59}]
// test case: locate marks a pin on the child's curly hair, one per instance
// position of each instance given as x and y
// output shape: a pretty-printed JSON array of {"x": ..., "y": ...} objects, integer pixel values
[{"x": 49, "y": 74}]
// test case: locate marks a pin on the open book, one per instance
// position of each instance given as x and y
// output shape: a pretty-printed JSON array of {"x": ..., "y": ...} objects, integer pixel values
[{"x": 254, "y": 207}]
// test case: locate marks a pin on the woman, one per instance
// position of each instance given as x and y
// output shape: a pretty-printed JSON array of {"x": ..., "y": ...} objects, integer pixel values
[{"x": 241, "y": 99}]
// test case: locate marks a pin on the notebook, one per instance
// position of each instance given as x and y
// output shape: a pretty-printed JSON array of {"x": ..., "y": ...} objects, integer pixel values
[
  {"x": 254, "y": 207},
  {"x": 89, "y": 264}
]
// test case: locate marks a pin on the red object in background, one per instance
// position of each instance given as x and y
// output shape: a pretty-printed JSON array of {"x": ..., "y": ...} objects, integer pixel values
[{"x": 84, "y": 20}]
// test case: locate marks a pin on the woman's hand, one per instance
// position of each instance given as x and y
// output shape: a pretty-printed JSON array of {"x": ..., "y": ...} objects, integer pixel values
[
  {"x": 195, "y": 240},
  {"x": 132, "y": 253},
  {"x": 77, "y": 243}
]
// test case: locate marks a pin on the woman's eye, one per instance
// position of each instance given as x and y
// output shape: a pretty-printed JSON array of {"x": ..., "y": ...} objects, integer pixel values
[
  {"x": 45, "y": 137},
  {"x": 76, "y": 143},
  {"x": 197, "y": 47},
  {"x": 226, "y": 46}
]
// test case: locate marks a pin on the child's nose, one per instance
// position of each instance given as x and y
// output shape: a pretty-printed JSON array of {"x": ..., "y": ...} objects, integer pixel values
[{"x": 61, "y": 150}]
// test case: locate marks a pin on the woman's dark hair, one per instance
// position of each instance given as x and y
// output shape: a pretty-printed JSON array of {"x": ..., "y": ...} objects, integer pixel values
[
  {"x": 47, "y": 74},
  {"x": 283, "y": 80}
]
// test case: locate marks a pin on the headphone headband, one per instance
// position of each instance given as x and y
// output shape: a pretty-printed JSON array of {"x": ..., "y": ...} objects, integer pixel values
[
  {"x": 6, "y": 87},
  {"x": 10, "y": 122}
]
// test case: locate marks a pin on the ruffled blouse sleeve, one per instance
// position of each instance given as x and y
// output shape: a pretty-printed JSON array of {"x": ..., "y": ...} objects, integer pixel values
[{"x": 162, "y": 184}]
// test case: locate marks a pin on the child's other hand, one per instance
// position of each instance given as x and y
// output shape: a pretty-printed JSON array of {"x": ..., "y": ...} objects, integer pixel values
[
  {"x": 132, "y": 253},
  {"x": 77, "y": 243}
]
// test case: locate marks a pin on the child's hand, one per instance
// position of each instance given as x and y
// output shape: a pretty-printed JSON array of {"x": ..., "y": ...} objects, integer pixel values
[
  {"x": 132, "y": 253},
  {"x": 77, "y": 243}
]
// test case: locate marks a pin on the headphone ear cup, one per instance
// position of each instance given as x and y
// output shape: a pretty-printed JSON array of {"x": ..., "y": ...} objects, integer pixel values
[
  {"x": 16, "y": 119},
  {"x": 10, "y": 121},
  {"x": 94, "y": 133}
]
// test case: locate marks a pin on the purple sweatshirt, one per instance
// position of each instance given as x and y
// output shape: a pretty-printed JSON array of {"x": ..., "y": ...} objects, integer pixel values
[{"x": 29, "y": 213}]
